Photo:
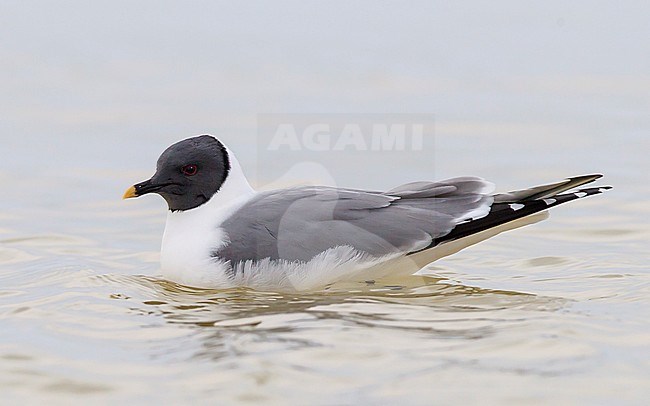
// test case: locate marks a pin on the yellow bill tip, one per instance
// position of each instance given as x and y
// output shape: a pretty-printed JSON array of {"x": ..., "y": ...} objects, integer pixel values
[{"x": 130, "y": 192}]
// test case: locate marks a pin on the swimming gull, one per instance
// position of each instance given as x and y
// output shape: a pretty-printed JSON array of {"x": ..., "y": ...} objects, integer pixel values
[{"x": 222, "y": 233}]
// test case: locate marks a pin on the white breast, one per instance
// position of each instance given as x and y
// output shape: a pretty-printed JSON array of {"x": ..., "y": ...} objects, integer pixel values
[{"x": 186, "y": 250}]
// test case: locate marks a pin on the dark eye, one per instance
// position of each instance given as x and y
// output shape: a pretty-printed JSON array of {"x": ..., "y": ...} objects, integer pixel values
[{"x": 190, "y": 170}]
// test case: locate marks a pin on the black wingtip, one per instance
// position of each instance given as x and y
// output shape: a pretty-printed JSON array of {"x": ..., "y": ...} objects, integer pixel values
[
  {"x": 579, "y": 194},
  {"x": 505, "y": 212},
  {"x": 584, "y": 179}
]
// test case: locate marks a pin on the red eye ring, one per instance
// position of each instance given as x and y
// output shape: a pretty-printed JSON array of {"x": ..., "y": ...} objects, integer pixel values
[{"x": 190, "y": 170}]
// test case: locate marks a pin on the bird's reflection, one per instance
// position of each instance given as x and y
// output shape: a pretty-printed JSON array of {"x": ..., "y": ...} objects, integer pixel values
[{"x": 223, "y": 318}]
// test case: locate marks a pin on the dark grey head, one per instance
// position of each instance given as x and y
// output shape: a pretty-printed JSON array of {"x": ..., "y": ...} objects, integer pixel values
[{"x": 188, "y": 173}]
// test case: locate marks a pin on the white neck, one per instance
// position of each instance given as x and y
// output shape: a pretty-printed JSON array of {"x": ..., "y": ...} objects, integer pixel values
[{"x": 234, "y": 187}]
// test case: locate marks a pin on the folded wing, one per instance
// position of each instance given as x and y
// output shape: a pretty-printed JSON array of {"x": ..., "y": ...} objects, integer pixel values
[{"x": 300, "y": 223}]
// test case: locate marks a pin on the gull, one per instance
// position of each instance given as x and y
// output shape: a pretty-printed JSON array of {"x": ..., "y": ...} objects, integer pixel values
[{"x": 221, "y": 233}]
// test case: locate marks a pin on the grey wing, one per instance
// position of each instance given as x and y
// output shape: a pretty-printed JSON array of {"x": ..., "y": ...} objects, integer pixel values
[{"x": 300, "y": 223}]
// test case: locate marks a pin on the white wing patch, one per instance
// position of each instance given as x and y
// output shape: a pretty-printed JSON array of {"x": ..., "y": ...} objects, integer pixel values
[{"x": 478, "y": 213}]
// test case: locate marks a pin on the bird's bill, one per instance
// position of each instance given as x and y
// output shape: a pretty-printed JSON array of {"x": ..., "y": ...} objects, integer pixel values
[
  {"x": 130, "y": 193},
  {"x": 142, "y": 188}
]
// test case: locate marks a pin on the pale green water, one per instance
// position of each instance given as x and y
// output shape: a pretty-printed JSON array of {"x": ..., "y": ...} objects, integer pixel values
[{"x": 556, "y": 312}]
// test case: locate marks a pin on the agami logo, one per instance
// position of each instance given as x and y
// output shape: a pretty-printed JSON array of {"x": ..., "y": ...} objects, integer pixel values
[{"x": 350, "y": 136}]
